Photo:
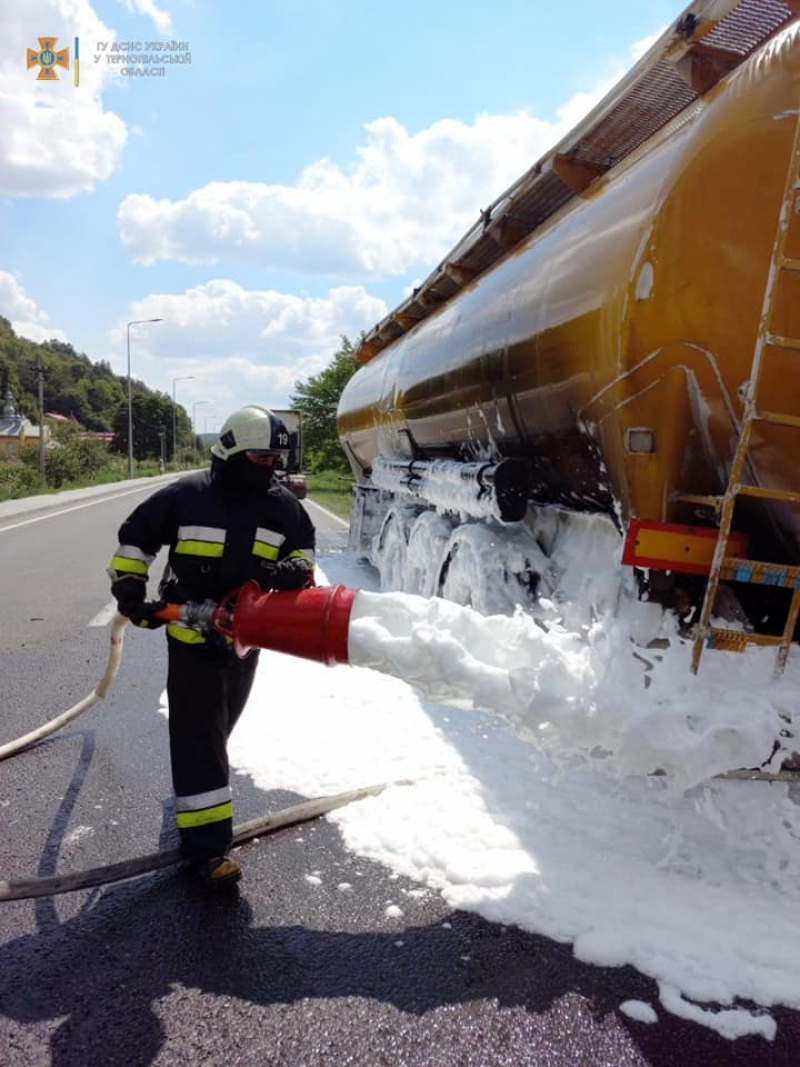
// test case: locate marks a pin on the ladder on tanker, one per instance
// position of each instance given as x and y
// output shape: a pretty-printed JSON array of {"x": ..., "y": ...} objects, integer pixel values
[{"x": 784, "y": 271}]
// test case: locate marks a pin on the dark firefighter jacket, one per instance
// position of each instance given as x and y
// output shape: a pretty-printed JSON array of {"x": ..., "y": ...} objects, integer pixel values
[{"x": 218, "y": 537}]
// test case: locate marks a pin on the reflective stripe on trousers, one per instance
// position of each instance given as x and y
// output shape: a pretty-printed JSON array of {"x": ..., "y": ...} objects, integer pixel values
[
  {"x": 203, "y": 808},
  {"x": 207, "y": 689}
]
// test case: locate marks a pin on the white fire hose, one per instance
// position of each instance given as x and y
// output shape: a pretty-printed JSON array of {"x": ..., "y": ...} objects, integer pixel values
[{"x": 114, "y": 656}]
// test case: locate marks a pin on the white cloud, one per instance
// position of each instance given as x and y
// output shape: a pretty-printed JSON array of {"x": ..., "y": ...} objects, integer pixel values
[
  {"x": 56, "y": 138},
  {"x": 21, "y": 310},
  {"x": 400, "y": 204},
  {"x": 639, "y": 48},
  {"x": 240, "y": 346},
  {"x": 161, "y": 19},
  {"x": 405, "y": 198}
]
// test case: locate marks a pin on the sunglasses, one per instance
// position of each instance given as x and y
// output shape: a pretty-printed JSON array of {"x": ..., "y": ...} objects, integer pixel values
[{"x": 262, "y": 457}]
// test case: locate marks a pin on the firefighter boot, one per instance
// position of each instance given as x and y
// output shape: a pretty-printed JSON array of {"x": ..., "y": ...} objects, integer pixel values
[{"x": 219, "y": 872}]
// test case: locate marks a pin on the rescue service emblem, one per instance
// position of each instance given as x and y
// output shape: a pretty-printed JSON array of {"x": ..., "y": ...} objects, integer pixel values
[{"x": 47, "y": 59}]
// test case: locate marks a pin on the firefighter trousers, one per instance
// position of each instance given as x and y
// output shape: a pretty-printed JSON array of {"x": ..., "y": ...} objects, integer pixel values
[{"x": 207, "y": 689}]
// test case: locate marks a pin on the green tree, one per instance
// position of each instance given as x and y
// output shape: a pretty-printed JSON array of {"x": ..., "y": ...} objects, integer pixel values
[
  {"x": 152, "y": 416},
  {"x": 74, "y": 456},
  {"x": 93, "y": 398},
  {"x": 73, "y": 385},
  {"x": 318, "y": 399}
]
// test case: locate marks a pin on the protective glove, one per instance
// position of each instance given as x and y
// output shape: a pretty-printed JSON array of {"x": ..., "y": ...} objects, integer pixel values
[
  {"x": 286, "y": 574},
  {"x": 129, "y": 592},
  {"x": 144, "y": 614}
]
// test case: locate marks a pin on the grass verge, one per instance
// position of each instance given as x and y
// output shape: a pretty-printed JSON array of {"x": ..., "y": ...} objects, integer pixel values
[{"x": 331, "y": 490}]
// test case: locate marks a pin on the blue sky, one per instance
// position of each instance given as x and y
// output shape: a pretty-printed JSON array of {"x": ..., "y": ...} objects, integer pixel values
[{"x": 314, "y": 160}]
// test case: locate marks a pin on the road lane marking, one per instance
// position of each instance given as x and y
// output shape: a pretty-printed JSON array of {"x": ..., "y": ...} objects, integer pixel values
[
  {"x": 104, "y": 615},
  {"x": 75, "y": 507},
  {"x": 128, "y": 492},
  {"x": 330, "y": 514}
]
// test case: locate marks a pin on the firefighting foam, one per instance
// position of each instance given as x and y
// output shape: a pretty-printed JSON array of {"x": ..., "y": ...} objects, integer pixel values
[
  {"x": 694, "y": 887},
  {"x": 593, "y": 693}
]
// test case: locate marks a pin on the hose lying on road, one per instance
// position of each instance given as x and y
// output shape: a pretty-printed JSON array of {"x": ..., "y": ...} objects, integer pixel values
[
  {"x": 306, "y": 810},
  {"x": 100, "y": 690}
]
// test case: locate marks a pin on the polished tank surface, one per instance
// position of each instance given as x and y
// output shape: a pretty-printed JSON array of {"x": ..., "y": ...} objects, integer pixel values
[{"x": 612, "y": 347}]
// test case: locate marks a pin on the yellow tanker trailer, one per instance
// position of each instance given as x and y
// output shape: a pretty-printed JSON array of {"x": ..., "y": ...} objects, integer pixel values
[{"x": 619, "y": 333}]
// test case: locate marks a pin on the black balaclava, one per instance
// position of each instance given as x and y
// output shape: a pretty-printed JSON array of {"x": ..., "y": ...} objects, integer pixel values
[{"x": 239, "y": 475}]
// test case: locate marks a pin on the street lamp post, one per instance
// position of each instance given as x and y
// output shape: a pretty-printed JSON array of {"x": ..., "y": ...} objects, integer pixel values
[
  {"x": 184, "y": 378},
  {"x": 134, "y": 322},
  {"x": 41, "y": 371},
  {"x": 195, "y": 406}
]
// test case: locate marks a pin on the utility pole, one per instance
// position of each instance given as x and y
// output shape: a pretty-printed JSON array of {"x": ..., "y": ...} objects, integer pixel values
[
  {"x": 183, "y": 378},
  {"x": 41, "y": 371},
  {"x": 133, "y": 322},
  {"x": 195, "y": 406}
]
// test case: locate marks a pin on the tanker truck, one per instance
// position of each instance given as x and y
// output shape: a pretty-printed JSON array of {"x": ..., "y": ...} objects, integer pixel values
[{"x": 616, "y": 340}]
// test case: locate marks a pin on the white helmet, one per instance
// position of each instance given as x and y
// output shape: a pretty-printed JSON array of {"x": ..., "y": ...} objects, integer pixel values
[{"x": 252, "y": 428}]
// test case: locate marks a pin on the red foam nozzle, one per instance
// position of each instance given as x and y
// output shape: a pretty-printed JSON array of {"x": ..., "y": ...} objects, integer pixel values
[{"x": 310, "y": 623}]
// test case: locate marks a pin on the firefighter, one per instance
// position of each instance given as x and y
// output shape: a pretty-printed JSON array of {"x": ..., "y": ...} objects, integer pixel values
[{"x": 223, "y": 526}]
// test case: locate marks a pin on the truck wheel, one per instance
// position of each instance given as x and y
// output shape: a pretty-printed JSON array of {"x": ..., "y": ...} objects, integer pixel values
[
  {"x": 491, "y": 571},
  {"x": 429, "y": 535},
  {"x": 392, "y": 549}
]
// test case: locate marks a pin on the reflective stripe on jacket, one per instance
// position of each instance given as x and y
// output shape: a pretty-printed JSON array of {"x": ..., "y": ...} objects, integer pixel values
[{"x": 217, "y": 539}]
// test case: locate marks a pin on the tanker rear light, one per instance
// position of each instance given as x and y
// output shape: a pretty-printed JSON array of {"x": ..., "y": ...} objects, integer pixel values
[
  {"x": 672, "y": 546},
  {"x": 640, "y": 441}
]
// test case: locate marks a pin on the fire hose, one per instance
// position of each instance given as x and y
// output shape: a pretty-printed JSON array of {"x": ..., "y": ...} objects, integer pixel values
[
  {"x": 100, "y": 690},
  {"x": 312, "y": 623},
  {"x": 305, "y": 811}
]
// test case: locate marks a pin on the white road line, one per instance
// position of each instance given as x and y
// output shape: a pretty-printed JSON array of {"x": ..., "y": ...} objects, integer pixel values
[
  {"x": 330, "y": 514},
  {"x": 127, "y": 492},
  {"x": 104, "y": 615},
  {"x": 76, "y": 507}
]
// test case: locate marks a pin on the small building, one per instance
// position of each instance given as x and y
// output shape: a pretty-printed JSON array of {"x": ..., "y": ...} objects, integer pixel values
[{"x": 16, "y": 429}]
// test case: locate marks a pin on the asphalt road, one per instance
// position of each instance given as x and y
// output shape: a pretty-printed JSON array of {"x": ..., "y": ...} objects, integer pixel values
[{"x": 155, "y": 972}]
